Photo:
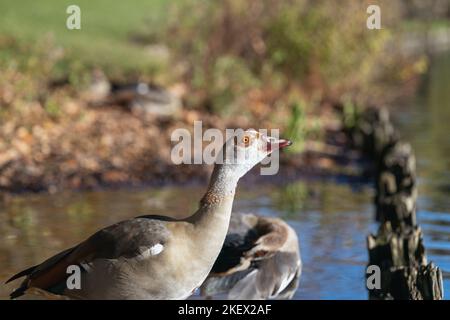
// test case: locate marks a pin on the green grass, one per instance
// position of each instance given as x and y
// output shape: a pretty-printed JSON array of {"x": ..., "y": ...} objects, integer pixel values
[
  {"x": 421, "y": 25},
  {"x": 104, "y": 38},
  {"x": 296, "y": 126}
]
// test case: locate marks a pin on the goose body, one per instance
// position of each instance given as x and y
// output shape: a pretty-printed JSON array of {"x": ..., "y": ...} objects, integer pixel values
[
  {"x": 260, "y": 259},
  {"x": 154, "y": 257}
]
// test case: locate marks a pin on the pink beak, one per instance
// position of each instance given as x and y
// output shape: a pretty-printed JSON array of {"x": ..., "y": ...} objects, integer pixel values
[{"x": 273, "y": 144}]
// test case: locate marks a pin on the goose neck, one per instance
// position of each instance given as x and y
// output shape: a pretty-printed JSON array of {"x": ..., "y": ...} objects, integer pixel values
[{"x": 221, "y": 187}]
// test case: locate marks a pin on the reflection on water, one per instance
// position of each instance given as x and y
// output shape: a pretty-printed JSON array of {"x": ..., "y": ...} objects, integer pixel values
[{"x": 332, "y": 220}]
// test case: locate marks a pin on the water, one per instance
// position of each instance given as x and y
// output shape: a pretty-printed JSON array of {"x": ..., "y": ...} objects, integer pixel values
[
  {"x": 332, "y": 219},
  {"x": 332, "y": 231},
  {"x": 426, "y": 126}
]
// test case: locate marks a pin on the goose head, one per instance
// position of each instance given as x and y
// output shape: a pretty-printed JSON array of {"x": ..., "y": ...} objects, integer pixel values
[{"x": 247, "y": 148}]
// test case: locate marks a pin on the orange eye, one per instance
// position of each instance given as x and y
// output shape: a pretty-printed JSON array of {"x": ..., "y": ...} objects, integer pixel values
[{"x": 246, "y": 140}]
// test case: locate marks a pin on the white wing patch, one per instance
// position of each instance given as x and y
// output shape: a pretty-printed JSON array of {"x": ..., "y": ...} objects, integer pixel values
[
  {"x": 152, "y": 251},
  {"x": 156, "y": 249}
]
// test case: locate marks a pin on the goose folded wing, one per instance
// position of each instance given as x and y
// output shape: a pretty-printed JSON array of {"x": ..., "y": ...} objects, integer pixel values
[
  {"x": 249, "y": 239},
  {"x": 137, "y": 238},
  {"x": 274, "y": 278}
]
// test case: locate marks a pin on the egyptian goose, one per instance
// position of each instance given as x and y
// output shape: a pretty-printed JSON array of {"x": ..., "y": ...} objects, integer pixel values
[
  {"x": 260, "y": 259},
  {"x": 156, "y": 257}
]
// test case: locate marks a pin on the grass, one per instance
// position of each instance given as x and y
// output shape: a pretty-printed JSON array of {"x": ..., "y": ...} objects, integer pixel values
[
  {"x": 104, "y": 38},
  {"x": 422, "y": 25},
  {"x": 227, "y": 54},
  {"x": 296, "y": 126}
]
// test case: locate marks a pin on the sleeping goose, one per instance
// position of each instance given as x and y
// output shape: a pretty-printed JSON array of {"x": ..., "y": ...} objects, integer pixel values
[
  {"x": 260, "y": 259},
  {"x": 156, "y": 257}
]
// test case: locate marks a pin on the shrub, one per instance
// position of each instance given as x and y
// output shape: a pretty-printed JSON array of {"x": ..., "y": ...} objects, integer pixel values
[{"x": 225, "y": 48}]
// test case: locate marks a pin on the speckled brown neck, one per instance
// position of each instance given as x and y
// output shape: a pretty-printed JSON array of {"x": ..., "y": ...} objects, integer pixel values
[
  {"x": 220, "y": 193},
  {"x": 212, "y": 198},
  {"x": 222, "y": 186}
]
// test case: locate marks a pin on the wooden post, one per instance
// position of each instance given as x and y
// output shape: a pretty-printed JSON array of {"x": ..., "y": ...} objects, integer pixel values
[{"x": 398, "y": 247}]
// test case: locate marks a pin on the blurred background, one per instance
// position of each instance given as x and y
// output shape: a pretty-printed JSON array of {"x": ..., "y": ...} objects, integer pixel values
[{"x": 86, "y": 117}]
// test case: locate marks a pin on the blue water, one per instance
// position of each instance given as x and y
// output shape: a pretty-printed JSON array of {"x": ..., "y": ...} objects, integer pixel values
[{"x": 332, "y": 222}]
